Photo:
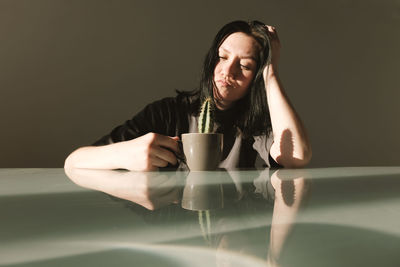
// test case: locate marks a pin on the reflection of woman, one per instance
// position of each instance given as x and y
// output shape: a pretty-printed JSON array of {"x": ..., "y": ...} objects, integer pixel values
[
  {"x": 241, "y": 74},
  {"x": 290, "y": 191}
]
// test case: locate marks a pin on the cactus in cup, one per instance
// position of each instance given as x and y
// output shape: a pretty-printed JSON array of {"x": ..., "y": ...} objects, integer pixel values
[{"x": 206, "y": 120}]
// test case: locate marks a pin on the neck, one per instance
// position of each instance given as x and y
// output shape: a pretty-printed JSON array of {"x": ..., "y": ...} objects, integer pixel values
[{"x": 223, "y": 105}]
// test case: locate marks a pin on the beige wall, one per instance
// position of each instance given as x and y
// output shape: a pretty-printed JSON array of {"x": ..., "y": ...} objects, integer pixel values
[{"x": 72, "y": 70}]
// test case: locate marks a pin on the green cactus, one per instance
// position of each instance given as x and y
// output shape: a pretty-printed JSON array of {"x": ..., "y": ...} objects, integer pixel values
[{"x": 206, "y": 119}]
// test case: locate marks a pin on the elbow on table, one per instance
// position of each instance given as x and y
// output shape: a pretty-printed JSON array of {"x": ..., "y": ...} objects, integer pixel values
[
  {"x": 74, "y": 158},
  {"x": 68, "y": 163},
  {"x": 294, "y": 161}
]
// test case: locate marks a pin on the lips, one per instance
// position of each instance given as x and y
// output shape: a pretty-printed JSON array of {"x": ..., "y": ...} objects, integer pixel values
[{"x": 224, "y": 83}]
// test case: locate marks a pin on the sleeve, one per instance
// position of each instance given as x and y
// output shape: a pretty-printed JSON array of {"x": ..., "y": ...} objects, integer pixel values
[
  {"x": 158, "y": 117},
  {"x": 262, "y": 144}
]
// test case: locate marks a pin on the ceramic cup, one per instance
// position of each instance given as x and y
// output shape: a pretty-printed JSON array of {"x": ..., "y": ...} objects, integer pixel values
[{"x": 203, "y": 151}]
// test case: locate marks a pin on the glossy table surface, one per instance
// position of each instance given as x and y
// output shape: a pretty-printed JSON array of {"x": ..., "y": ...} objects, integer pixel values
[{"x": 310, "y": 217}]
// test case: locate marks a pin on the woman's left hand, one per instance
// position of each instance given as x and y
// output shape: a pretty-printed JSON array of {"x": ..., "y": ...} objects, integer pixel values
[{"x": 275, "y": 50}]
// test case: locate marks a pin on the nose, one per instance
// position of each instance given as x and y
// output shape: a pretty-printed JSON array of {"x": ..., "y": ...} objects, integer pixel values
[{"x": 228, "y": 69}]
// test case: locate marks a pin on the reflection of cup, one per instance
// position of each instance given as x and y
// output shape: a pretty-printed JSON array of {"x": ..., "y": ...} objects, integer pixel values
[
  {"x": 203, "y": 151},
  {"x": 203, "y": 191}
]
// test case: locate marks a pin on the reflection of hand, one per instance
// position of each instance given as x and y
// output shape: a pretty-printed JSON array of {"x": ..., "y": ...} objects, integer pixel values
[
  {"x": 151, "y": 190},
  {"x": 271, "y": 262},
  {"x": 275, "y": 46}
]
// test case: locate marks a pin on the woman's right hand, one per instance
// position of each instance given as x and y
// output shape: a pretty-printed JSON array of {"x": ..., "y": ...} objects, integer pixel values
[
  {"x": 145, "y": 153},
  {"x": 148, "y": 152}
]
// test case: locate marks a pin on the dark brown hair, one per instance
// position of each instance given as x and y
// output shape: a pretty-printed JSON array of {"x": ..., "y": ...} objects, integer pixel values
[{"x": 253, "y": 114}]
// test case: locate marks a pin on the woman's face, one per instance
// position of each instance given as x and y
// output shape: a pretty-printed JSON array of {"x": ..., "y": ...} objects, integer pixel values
[{"x": 235, "y": 68}]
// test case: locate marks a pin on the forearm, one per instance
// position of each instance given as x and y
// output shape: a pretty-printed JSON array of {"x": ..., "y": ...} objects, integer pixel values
[
  {"x": 145, "y": 153},
  {"x": 291, "y": 146},
  {"x": 95, "y": 157}
]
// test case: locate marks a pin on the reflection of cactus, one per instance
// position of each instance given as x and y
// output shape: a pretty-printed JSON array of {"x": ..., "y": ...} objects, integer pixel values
[
  {"x": 206, "y": 120},
  {"x": 205, "y": 232}
]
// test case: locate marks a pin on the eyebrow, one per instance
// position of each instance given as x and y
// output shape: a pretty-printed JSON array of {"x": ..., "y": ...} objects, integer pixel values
[{"x": 246, "y": 57}]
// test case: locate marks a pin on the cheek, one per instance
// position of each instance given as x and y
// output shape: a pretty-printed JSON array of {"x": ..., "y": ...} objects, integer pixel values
[
  {"x": 247, "y": 78},
  {"x": 217, "y": 69}
]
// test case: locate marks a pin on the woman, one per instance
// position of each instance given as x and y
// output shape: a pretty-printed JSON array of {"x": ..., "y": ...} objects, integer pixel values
[{"x": 252, "y": 111}]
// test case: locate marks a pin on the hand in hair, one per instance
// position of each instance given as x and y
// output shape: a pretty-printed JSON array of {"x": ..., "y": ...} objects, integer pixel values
[{"x": 275, "y": 45}]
